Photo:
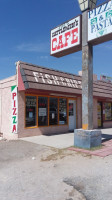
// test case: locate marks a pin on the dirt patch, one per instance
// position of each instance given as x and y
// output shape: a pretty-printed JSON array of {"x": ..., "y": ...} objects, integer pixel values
[{"x": 56, "y": 154}]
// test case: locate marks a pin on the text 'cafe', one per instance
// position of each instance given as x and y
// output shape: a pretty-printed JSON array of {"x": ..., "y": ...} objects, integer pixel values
[{"x": 39, "y": 101}]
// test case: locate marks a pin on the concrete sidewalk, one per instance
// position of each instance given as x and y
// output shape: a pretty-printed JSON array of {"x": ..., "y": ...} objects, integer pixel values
[
  {"x": 57, "y": 141},
  {"x": 63, "y": 140}
]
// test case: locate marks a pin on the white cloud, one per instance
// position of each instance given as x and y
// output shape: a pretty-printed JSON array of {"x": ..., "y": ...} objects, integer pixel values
[
  {"x": 44, "y": 57},
  {"x": 108, "y": 46},
  {"x": 30, "y": 47}
]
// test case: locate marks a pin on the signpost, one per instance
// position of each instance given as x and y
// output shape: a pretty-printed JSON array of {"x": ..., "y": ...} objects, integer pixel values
[{"x": 96, "y": 28}]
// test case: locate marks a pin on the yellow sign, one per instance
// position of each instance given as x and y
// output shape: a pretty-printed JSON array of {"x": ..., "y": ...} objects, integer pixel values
[{"x": 99, "y": 114}]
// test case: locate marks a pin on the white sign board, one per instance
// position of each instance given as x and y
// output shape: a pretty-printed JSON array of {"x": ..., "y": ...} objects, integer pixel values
[
  {"x": 65, "y": 36},
  {"x": 106, "y": 78},
  {"x": 14, "y": 108},
  {"x": 42, "y": 112},
  {"x": 100, "y": 21}
]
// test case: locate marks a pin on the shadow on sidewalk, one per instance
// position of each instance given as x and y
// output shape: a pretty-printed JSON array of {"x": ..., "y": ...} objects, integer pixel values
[{"x": 106, "y": 137}]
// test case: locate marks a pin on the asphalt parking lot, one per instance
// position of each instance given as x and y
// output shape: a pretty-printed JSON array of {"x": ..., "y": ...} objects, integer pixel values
[{"x": 30, "y": 171}]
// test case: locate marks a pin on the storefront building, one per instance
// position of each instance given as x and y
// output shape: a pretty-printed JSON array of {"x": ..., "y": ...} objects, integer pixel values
[{"x": 39, "y": 101}]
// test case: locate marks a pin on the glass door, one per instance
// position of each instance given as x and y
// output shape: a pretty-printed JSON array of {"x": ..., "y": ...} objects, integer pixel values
[{"x": 72, "y": 114}]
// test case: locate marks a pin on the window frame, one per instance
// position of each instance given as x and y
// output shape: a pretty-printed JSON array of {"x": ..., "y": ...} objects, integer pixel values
[
  {"x": 25, "y": 112},
  {"x": 67, "y": 111},
  {"x": 58, "y": 110},
  {"x": 47, "y": 111},
  {"x": 49, "y": 96}
]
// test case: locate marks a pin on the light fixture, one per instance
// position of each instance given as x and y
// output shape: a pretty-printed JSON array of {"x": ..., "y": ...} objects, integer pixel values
[{"x": 87, "y": 4}]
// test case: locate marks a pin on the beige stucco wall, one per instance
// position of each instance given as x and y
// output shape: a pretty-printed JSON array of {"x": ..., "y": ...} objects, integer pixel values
[
  {"x": 25, "y": 132},
  {"x": 107, "y": 124},
  {"x": 6, "y": 107}
]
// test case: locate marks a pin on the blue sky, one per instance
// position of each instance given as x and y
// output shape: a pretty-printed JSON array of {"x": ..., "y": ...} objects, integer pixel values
[{"x": 25, "y": 35}]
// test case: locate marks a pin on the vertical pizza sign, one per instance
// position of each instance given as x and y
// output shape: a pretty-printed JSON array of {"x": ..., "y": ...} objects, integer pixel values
[{"x": 14, "y": 108}]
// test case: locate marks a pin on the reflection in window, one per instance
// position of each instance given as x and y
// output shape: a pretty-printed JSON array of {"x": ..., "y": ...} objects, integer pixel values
[
  {"x": 71, "y": 109},
  {"x": 108, "y": 111},
  {"x": 62, "y": 111},
  {"x": 30, "y": 111},
  {"x": 53, "y": 111},
  {"x": 42, "y": 111}
]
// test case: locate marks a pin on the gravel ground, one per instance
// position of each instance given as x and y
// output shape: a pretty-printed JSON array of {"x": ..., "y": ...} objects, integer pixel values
[{"x": 34, "y": 172}]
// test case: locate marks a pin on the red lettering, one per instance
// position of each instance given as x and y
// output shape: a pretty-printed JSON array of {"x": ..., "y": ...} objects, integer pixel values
[
  {"x": 60, "y": 45},
  {"x": 67, "y": 35},
  {"x": 14, "y": 128},
  {"x": 14, "y": 112},
  {"x": 53, "y": 44},
  {"x": 14, "y": 103},
  {"x": 13, "y": 95},
  {"x": 74, "y": 36}
]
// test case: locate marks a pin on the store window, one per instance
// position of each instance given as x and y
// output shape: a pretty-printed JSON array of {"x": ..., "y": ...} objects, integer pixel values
[
  {"x": 30, "y": 119},
  {"x": 62, "y": 111},
  {"x": 108, "y": 111},
  {"x": 71, "y": 109},
  {"x": 42, "y": 111},
  {"x": 53, "y": 111}
]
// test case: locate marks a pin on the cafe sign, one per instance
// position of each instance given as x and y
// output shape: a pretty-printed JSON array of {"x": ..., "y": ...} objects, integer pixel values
[
  {"x": 66, "y": 38},
  {"x": 14, "y": 108},
  {"x": 100, "y": 21}
]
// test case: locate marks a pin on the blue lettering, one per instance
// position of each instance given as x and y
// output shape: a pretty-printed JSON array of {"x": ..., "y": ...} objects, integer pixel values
[
  {"x": 90, "y": 13},
  {"x": 105, "y": 23},
  {"x": 97, "y": 27},
  {"x": 100, "y": 26},
  {"x": 105, "y": 7},
  {"x": 110, "y": 19},
  {"x": 99, "y": 11},
  {"x": 94, "y": 12},
  {"x": 92, "y": 28}
]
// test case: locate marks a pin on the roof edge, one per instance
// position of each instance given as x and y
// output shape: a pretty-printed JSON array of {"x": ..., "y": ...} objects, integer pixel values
[{"x": 30, "y": 64}]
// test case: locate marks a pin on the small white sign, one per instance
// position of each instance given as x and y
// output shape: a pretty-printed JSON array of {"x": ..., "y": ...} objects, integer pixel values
[
  {"x": 100, "y": 21},
  {"x": 53, "y": 115},
  {"x": 30, "y": 114},
  {"x": 42, "y": 112}
]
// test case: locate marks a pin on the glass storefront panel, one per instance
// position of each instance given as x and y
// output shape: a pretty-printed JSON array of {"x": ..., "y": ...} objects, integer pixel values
[
  {"x": 71, "y": 109},
  {"x": 30, "y": 119},
  {"x": 45, "y": 111},
  {"x": 108, "y": 111},
  {"x": 99, "y": 114},
  {"x": 62, "y": 111},
  {"x": 42, "y": 111},
  {"x": 53, "y": 111}
]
